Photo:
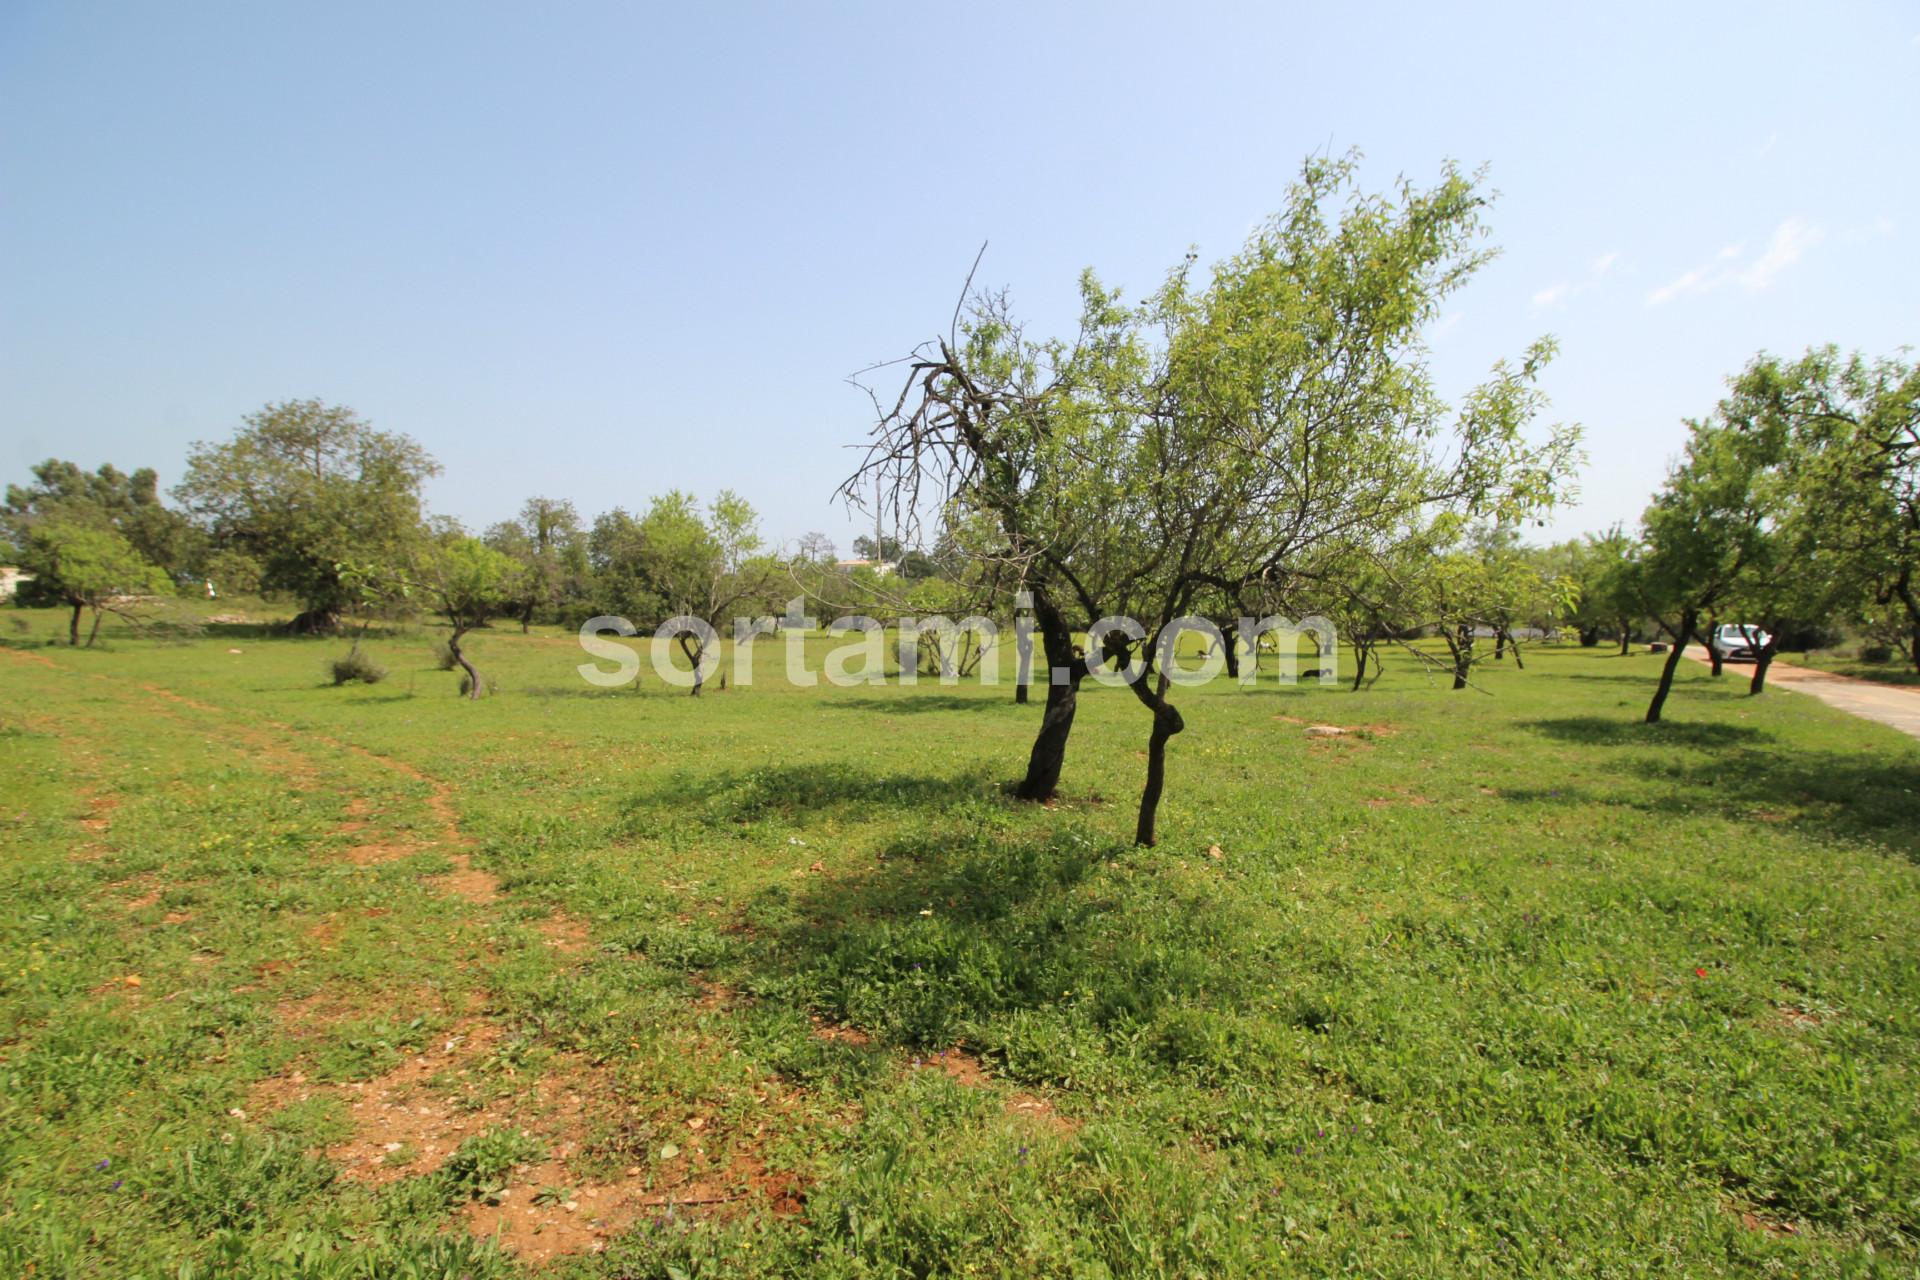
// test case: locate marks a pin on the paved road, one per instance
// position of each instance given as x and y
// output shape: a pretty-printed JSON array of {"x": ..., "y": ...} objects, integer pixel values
[{"x": 1890, "y": 704}]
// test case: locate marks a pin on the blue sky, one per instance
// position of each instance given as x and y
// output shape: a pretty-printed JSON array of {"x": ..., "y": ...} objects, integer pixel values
[{"x": 601, "y": 251}]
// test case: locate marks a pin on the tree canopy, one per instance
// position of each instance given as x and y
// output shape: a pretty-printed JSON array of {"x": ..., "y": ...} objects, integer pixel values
[
  {"x": 1224, "y": 436},
  {"x": 305, "y": 488}
]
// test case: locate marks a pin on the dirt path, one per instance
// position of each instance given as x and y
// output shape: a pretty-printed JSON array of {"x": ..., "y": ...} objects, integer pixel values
[{"x": 1889, "y": 704}]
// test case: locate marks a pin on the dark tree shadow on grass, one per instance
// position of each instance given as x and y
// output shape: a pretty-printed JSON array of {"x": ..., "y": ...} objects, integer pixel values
[
  {"x": 963, "y": 922},
  {"x": 1740, "y": 772},
  {"x": 1849, "y": 797},
  {"x": 1611, "y": 731},
  {"x": 915, "y": 703},
  {"x": 797, "y": 790},
  {"x": 935, "y": 937}
]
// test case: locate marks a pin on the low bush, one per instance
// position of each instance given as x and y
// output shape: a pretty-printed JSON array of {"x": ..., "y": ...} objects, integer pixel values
[{"x": 356, "y": 666}]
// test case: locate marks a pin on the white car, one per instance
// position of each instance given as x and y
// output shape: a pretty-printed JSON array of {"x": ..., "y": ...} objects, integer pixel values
[{"x": 1739, "y": 642}]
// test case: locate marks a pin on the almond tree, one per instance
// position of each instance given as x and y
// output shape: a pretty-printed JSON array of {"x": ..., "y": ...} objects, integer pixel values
[
  {"x": 1221, "y": 437},
  {"x": 87, "y": 566},
  {"x": 1853, "y": 478},
  {"x": 1705, "y": 532},
  {"x": 705, "y": 567},
  {"x": 468, "y": 582}
]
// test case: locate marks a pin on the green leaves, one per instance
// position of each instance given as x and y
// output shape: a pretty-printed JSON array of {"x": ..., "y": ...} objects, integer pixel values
[
  {"x": 87, "y": 564},
  {"x": 305, "y": 487}
]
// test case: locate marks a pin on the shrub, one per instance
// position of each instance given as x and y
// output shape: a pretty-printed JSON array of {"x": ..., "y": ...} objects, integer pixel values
[
  {"x": 443, "y": 656},
  {"x": 1876, "y": 653},
  {"x": 356, "y": 666}
]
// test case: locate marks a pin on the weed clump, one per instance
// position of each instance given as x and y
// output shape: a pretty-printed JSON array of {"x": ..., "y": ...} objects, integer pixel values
[{"x": 356, "y": 667}]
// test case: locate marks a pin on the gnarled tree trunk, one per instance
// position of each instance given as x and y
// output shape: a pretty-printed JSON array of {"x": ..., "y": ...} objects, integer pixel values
[
  {"x": 1065, "y": 671},
  {"x": 73, "y": 626},
  {"x": 1166, "y": 723},
  {"x": 1460, "y": 642},
  {"x": 473, "y": 674},
  {"x": 694, "y": 654},
  {"x": 1762, "y": 659},
  {"x": 1688, "y": 620}
]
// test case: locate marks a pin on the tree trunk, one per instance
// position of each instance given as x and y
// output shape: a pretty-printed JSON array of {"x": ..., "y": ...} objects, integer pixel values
[
  {"x": 73, "y": 626},
  {"x": 1166, "y": 723},
  {"x": 1361, "y": 653},
  {"x": 473, "y": 675},
  {"x": 1023, "y": 663},
  {"x": 1761, "y": 661},
  {"x": 1499, "y": 643},
  {"x": 1687, "y": 620},
  {"x": 1462, "y": 646},
  {"x": 1589, "y": 637},
  {"x": 1049, "y": 752},
  {"x": 1230, "y": 640},
  {"x": 1626, "y": 638},
  {"x": 322, "y": 621},
  {"x": 1715, "y": 663},
  {"x": 526, "y": 618},
  {"x": 1519, "y": 664},
  {"x": 693, "y": 656},
  {"x": 95, "y": 629}
]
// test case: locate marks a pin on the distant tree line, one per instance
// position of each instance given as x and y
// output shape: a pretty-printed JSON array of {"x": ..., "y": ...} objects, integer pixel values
[{"x": 310, "y": 504}]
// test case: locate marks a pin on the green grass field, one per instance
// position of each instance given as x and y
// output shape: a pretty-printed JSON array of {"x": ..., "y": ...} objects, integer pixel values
[{"x": 304, "y": 981}]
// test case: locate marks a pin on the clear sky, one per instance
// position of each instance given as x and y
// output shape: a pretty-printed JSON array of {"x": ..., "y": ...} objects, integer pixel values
[{"x": 601, "y": 251}]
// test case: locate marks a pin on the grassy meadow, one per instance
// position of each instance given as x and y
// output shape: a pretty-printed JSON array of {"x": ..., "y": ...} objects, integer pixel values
[{"x": 371, "y": 981}]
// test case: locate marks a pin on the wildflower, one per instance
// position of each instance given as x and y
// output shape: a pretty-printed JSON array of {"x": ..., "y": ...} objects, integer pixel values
[{"x": 1699, "y": 973}]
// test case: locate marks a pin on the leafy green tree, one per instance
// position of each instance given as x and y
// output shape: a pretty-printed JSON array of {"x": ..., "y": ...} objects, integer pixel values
[
  {"x": 1853, "y": 464},
  {"x": 1601, "y": 567},
  {"x": 467, "y": 583},
  {"x": 1215, "y": 438},
  {"x": 87, "y": 566},
  {"x": 304, "y": 489},
  {"x": 1486, "y": 583},
  {"x": 550, "y": 547},
  {"x": 1706, "y": 532},
  {"x": 128, "y": 503},
  {"x": 704, "y": 566},
  {"x": 616, "y": 559}
]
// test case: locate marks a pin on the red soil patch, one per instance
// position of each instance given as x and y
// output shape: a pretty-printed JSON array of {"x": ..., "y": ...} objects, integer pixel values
[
  {"x": 965, "y": 1069},
  {"x": 566, "y": 935},
  {"x": 1754, "y": 1222},
  {"x": 401, "y": 1125},
  {"x": 824, "y": 1030}
]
